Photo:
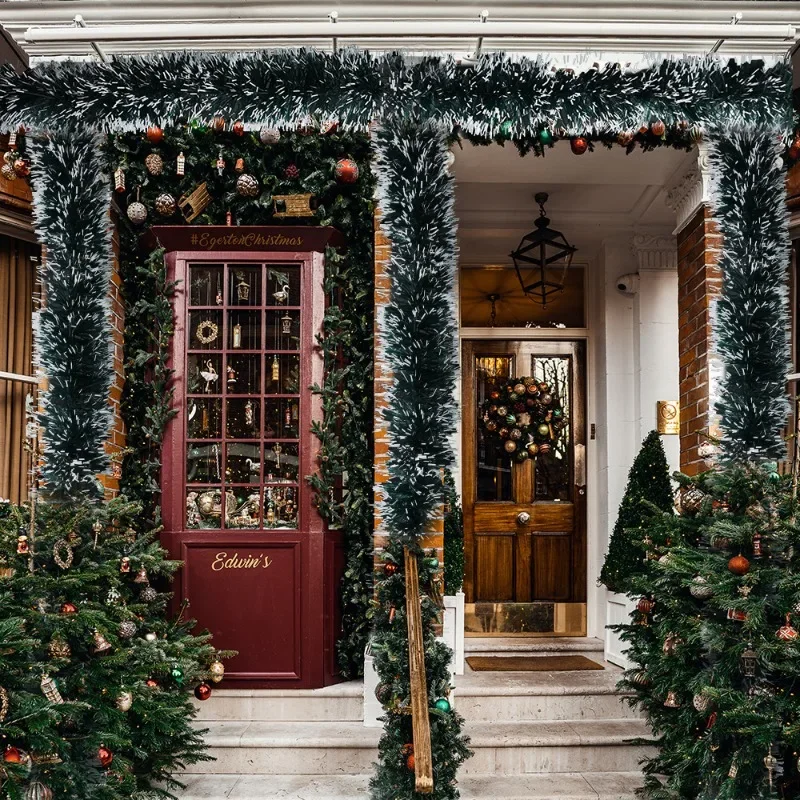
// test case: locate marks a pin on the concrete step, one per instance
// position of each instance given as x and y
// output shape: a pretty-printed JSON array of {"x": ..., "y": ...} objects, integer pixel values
[
  {"x": 533, "y": 646},
  {"x": 565, "y": 786},
  {"x": 343, "y": 702},
  {"x": 517, "y": 696},
  {"x": 348, "y": 748}
]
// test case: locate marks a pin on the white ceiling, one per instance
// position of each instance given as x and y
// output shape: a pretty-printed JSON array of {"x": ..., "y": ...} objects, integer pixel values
[
  {"x": 17, "y": 16},
  {"x": 592, "y": 196}
]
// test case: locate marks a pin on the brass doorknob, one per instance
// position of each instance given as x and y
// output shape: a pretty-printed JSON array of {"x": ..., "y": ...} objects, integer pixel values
[{"x": 523, "y": 518}]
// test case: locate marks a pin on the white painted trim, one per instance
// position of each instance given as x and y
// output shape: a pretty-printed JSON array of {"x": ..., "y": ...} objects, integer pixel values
[{"x": 453, "y": 629}]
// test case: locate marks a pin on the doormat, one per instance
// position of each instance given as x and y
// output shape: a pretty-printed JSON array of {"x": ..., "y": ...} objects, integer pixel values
[{"x": 532, "y": 663}]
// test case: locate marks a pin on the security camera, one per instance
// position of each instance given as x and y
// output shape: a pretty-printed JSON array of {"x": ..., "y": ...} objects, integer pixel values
[{"x": 628, "y": 283}]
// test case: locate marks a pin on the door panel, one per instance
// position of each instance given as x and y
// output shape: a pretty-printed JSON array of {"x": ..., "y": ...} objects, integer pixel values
[{"x": 524, "y": 522}]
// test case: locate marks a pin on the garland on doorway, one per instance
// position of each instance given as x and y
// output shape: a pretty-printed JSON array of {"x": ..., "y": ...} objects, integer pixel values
[
  {"x": 419, "y": 334},
  {"x": 516, "y": 98},
  {"x": 343, "y": 486}
]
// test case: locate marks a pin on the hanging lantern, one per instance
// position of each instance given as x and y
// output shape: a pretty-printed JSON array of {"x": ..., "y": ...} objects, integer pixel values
[
  {"x": 749, "y": 660},
  {"x": 242, "y": 287},
  {"x": 286, "y": 325},
  {"x": 119, "y": 180},
  {"x": 549, "y": 255},
  {"x": 50, "y": 690}
]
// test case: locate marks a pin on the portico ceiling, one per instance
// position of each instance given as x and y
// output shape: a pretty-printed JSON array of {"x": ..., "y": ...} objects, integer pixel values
[
  {"x": 593, "y": 196},
  {"x": 614, "y": 29}
]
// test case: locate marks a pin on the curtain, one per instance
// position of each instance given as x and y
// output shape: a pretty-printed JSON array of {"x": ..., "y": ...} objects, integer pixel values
[{"x": 17, "y": 279}]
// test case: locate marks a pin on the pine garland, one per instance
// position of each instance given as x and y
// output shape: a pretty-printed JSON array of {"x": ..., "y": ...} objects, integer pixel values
[
  {"x": 73, "y": 331},
  {"x": 750, "y": 328},
  {"x": 419, "y": 336}
]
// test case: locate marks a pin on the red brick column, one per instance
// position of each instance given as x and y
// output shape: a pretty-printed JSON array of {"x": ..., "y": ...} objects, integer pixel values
[{"x": 699, "y": 282}]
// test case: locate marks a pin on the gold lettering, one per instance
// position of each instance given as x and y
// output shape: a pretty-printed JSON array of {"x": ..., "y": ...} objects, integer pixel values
[{"x": 223, "y": 561}]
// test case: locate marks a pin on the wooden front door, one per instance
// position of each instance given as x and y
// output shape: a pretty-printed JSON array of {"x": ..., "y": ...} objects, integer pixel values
[{"x": 524, "y": 522}]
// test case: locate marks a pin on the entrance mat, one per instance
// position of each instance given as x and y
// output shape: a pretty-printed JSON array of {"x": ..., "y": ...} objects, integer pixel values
[{"x": 532, "y": 663}]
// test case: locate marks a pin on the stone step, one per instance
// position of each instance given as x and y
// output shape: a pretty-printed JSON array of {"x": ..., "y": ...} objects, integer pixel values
[
  {"x": 343, "y": 702},
  {"x": 565, "y": 786},
  {"x": 342, "y": 748},
  {"x": 517, "y": 696},
  {"x": 533, "y": 646}
]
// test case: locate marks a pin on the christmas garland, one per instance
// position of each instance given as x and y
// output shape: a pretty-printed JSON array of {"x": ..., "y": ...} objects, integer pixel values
[
  {"x": 73, "y": 331},
  {"x": 739, "y": 107},
  {"x": 346, "y": 343}
]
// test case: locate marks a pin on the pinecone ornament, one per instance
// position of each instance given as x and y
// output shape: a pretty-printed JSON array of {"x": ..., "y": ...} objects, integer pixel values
[
  {"x": 247, "y": 185},
  {"x": 154, "y": 164},
  {"x": 166, "y": 205}
]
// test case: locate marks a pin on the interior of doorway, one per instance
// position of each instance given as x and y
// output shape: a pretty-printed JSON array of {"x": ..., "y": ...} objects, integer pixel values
[{"x": 594, "y": 199}]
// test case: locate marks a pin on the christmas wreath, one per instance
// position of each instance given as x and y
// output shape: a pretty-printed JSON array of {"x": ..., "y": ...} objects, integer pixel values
[{"x": 525, "y": 415}]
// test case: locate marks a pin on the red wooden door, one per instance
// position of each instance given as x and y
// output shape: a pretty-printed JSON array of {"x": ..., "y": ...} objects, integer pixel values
[{"x": 260, "y": 570}]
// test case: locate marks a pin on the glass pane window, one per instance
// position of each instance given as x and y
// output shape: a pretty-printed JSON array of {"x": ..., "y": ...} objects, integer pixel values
[
  {"x": 554, "y": 469},
  {"x": 494, "y": 466},
  {"x": 243, "y": 399}
]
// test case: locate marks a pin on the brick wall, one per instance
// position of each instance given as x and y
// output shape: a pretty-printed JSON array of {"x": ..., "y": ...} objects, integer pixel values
[
  {"x": 383, "y": 379},
  {"x": 699, "y": 282},
  {"x": 116, "y": 440}
]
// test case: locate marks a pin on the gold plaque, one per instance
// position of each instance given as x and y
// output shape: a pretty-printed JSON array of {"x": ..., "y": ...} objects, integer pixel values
[{"x": 669, "y": 416}]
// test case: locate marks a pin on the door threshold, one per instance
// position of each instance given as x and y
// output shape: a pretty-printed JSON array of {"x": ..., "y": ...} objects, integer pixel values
[{"x": 525, "y": 619}]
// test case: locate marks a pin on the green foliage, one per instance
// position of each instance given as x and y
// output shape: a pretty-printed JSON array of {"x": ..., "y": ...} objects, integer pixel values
[
  {"x": 343, "y": 485},
  {"x": 453, "y": 537},
  {"x": 155, "y": 737},
  {"x": 715, "y": 743},
  {"x": 648, "y": 491}
]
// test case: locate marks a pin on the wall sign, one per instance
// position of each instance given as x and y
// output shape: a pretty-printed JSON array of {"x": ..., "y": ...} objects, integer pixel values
[{"x": 669, "y": 417}]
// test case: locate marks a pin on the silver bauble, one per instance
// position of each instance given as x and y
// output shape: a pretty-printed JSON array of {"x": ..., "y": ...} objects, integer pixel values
[
  {"x": 137, "y": 212},
  {"x": 154, "y": 164},
  {"x": 127, "y": 628},
  {"x": 247, "y": 185},
  {"x": 124, "y": 701},
  {"x": 700, "y": 702},
  {"x": 148, "y": 594},
  {"x": 700, "y": 589},
  {"x": 269, "y": 135}
]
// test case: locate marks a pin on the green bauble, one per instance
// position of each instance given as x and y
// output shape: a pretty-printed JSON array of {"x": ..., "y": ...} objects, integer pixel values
[
  {"x": 177, "y": 675},
  {"x": 505, "y": 128},
  {"x": 522, "y": 455},
  {"x": 545, "y": 136},
  {"x": 443, "y": 704},
  {"x": 558, "y": 412},
  {"x": 433, "y": 563},
  {"x": 510, "y": 419}
]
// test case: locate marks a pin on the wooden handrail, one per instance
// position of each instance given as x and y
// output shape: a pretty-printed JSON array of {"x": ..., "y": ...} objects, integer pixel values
[{"x": 420, "y": 719}]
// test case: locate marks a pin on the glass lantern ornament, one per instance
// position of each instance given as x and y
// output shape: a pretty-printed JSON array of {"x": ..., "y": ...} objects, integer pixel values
[
  {"x": 286, "y": 325},
  {"x": 749, "y": 660},
  {"x": 545, "y": 255},
  {"x": 242, "y": 287}
]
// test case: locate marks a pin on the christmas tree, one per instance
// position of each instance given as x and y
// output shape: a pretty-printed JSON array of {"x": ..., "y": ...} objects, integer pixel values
[
  {"x": 714, "y": 641},
  {"x": 453, "y": 537},
  {"x": 94, "y": 681},
  {"x": 648, "y": 489}
]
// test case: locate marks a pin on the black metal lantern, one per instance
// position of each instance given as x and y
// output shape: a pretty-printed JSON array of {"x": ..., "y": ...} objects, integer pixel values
[{"x": 546, "y": 255}]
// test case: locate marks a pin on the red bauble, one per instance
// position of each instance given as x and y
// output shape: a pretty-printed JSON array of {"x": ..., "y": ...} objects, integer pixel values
[
  {"x": 104, "y": 755},
  {"x": 238, "y": 127},
  {"x": 13, "y": 755},
  {"x": 711, "y": 721},
  {"x": 579, "y": 145},
  {"x": 291, "y": 172},
  {"x": 389, "y": 569},
  {"x": 495, "y": 395},
  {"x": 411, "y": 762},
  {"x": 202, "y": 691},
  {"x": 69, "y": 608},
  {"x": 346, "y": 170},
  {"x": 153, "y": 684},
  {"x": 787, "y": 633},
  {"x": 658, "y": 128},
  {"x": 739, "y": 565},
  {"x": 646, "y": 605},
  {"x": 154, "y": 134}
]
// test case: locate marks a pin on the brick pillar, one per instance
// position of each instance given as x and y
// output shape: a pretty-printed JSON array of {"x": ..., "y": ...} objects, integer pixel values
[
  {"x": 434, "y": 539},
  {"x": 699, "y": 281},
  {"x": 115, "y": 444}
]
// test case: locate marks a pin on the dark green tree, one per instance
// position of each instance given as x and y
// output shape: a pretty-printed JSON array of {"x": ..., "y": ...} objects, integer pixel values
[
  {"x": 714, "y": 641},
  {"x": 97, "y": 679},
  {"x": 453, "y": 537},
  {"x": 648, "y": 489}
]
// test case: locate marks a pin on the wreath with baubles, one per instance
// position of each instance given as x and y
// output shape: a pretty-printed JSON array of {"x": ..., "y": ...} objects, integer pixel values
[{"x": 525, "y": 415}]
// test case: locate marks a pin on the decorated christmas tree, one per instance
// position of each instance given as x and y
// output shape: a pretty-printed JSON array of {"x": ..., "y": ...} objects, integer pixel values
[
  {"x": 94, "y": 680},
  {"x": 648, "y": 490},
  {"x": 714, "y": 639}
]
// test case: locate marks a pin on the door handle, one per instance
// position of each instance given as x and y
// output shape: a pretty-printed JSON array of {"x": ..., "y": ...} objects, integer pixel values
[{"x": 523, "y": 518}]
